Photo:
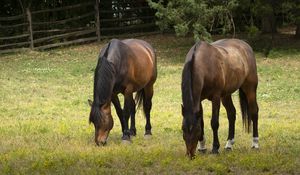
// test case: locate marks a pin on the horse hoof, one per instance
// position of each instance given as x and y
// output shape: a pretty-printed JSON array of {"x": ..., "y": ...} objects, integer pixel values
[
  {"x": 214, "y": 151},
  {"x": 255, "y": 144},
  {"x": 202, "y": 151},
  {"x": 147, "y": 136},
  {"x": 229, "y": 144},
  {"x": 148, "y": 132},
  {"x": 132, "y": 133},
  {"x": 126, "y": 142},
  {"x": 126, "y": 137},
  {"x": 228, "y": 149}
]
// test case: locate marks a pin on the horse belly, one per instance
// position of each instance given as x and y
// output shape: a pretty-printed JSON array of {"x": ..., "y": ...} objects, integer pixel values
[
  {"x": 141, "y": 73},
  {"x": 141, "y": 65},
  {"x": 141, "y": 79},
  {"x": 235, "y": 73},
  {"x": 234, "y": 82}
]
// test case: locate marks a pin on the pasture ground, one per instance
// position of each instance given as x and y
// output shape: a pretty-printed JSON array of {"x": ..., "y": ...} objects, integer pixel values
[{"x": 44, "y": 112}]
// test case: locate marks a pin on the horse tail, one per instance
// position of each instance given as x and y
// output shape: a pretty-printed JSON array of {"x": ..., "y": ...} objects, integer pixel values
[
  {"x": 139, "y": 98},
  {"x": 244, "y": 109}
]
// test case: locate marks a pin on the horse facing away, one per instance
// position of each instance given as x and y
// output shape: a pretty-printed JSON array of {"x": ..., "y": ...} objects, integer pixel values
[
  {"x": 124, "y": 66},
  {"x": 214, "y": 71}
]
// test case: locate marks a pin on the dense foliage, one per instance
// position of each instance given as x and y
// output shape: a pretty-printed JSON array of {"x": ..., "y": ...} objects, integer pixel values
[
  {"x": 204, "y": 17},
  {"x": 198, "y": 17}
]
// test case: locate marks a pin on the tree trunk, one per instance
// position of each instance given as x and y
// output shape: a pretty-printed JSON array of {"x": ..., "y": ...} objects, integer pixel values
[
  {"x": 29, "y": 19},
  {"x": 298, "y": 31},
  {"x": 268, "y": 24},
  {"x": 97, "y": 20}
]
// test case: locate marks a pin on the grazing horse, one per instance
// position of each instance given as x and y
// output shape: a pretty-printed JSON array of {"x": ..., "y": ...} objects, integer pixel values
[
  {"x": 124, "y": 66},
  {"x": 214, "y": 71}
]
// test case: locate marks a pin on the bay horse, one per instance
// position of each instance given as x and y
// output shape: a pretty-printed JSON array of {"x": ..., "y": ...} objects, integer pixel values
[
  {"x": 214, "y": 71},
  {"x": 124, "y": 66}
]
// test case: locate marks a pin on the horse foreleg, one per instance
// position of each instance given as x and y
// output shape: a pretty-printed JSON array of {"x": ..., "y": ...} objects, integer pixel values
[
  {"x": 231, "y": 115},
  {"x": 132, "y": 119},
  {"x": 215, "y": 123},
  {"x": 202, "y": 140},
  {"x": 128, "y": 103},
  {"x": 115, "y": 100}
]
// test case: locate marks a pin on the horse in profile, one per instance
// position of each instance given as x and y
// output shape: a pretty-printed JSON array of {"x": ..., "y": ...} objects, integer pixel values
[
  {"x": 215, "y": 71},
  {"x": 124, "y": 66}
]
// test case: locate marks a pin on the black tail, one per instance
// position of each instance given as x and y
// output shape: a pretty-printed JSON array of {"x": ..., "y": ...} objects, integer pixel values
[
  {"x": 139, "y": 98},
  {"x": 244, "y": 109}
]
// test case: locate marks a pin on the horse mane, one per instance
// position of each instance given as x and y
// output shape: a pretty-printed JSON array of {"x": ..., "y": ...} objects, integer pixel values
[
  {"x": 186, "y": 88},
  {"x": 104, "y": 79}
]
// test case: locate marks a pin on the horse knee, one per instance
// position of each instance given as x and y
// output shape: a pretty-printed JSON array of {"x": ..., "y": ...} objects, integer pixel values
[
  {"x": 214, "y": 124},
  {"x": 254, "y": 112},
  {"x": 231, "y": 115},
  {"x": 147, "y": 106}
]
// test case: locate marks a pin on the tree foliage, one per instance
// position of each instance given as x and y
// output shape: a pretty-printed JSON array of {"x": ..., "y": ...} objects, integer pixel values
[
  {"x": 199, "y": 17},
  {"x": 203, "y": 17}
]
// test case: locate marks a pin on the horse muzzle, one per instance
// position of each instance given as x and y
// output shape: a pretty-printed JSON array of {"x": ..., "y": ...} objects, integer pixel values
[
  {"x": 190, "y": 151},
  {"x": 101, "y": 142},
  {"x": 190, "y": 154}
]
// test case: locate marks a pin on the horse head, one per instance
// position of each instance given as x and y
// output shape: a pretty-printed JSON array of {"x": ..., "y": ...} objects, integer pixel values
[
  {"x": 191, "y": 128},
  {"x": 101, "y": 117}
]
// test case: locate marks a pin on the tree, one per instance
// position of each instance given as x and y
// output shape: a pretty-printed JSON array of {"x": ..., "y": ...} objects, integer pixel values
[
  {"x": 292, "y": 11},
  {"x": 266, "y": 10},
  {"x": 199, "y": 17}
]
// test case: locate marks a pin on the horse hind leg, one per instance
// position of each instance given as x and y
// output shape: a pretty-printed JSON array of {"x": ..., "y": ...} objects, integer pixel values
[
  {"x": 250, "y": 93},
  {"x": 253, "y": 112},
  {"x": 147, "y": 105},
  {"x": 231, "y": 116}
]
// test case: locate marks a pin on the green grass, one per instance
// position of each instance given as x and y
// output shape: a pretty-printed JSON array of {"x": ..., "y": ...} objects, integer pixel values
[{"x": 44, "y": 125}]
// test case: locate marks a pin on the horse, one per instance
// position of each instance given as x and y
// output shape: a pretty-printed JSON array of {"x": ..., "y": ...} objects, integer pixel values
[
  {"x": 215, "y": 71},
  {"x": 124, "y": 66}
]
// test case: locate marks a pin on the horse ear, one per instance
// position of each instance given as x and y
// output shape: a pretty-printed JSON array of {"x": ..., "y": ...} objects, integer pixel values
[
  {"x": 106, "y": 51},
  {"x": 90, "y": 102}
]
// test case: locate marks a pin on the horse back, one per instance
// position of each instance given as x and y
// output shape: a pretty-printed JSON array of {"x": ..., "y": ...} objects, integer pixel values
[
  {"x": 223, "y": 66},
  {"x": 236, "y": 52},
  {"x": 141, "y": 63},
  {"x": 239, "y": 60}
]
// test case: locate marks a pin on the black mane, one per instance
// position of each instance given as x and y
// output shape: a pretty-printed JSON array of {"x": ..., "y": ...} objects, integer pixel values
[
  {"x": 186, "y": 89},
  {"x": 104, "y": 80}
]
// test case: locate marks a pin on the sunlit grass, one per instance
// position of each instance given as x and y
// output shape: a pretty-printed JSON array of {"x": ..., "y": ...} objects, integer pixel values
[{"x": 44, "y": 118}]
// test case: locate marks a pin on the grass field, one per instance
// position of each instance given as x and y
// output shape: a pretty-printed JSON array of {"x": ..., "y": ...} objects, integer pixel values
[{"x": 44, "y": 125}]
